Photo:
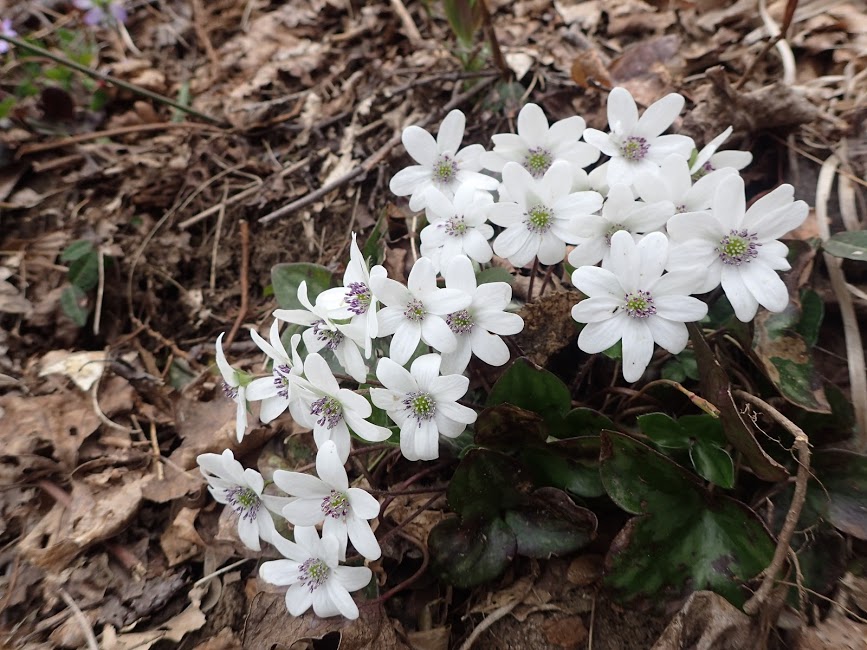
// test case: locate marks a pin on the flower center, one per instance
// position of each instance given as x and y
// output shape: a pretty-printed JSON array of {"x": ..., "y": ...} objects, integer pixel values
[
  {"x": 357, "y": 298},
  {"x": 611, "y": 230},
  {"x": 244, "y": 501},
  {"x": 680, "y": 209},
  {"x": 460, "y": 322},
  {"x": 230, "y": 391},
  {"x": 313, "y": 573},
  {"x": 281, "y": 380},
  {"x": 455, "y": 227},
  {"x": 737, "y": 247},
  {"x": 634, "y": 148},
  {"x": 538, "y": 161},
  {"x": 639, "y": 304},
  {"x": 329, "y": 410},
  {"x": 444, "y": 170},
  {"x": 336, "y": 505},
  {"x": 421, "y": 405},
  {"x": 415, "y": 311},
  {"x": 331, "y": 338},
  {"x": 539, "y": 219}
]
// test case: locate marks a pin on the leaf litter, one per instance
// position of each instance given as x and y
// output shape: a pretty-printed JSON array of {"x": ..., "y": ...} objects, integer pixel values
[{"x": 101, "y": 494}]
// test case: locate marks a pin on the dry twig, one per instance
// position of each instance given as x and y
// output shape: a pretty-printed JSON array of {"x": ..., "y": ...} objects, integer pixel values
[{"x": 245, "y": 282}]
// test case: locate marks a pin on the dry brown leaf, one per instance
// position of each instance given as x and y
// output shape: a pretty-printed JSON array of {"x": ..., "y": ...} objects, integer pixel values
[
  {"x": 174, "y": 629},
  {"x": 834, "y": 633},
  {"x": 181, "y": 541},
  {"x": 83, "y": 368},
  {"x": 707, "y": 621}
]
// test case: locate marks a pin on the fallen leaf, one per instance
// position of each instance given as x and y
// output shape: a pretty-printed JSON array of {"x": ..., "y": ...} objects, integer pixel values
[
  {"x": 709, "y": 622},
  {"x": 83, "y": 368}
]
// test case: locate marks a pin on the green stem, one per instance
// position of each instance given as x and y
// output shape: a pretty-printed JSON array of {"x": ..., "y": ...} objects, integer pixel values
[{"x": 109, "y": 79}]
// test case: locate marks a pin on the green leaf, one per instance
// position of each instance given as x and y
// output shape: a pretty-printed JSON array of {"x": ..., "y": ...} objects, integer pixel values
[
  {"x": 812, "y": 313},
  {"x": 469, "y": 554},
  {"x": 713, "y": 463},
  {"x": 703, "y": 428},
  {"x": 74, "y": 304},
  {"x": 286, "y": 278},
  {"x": 581, "y": 421},
  {"x": 787, "y": 360},
  {"x": 77, "y": 249},
  {"x": 673, "y": 371},
  {"x": 663, "y": 430},
  {"x": 485, "y": 483},
  {"x": 506, "y": 426},
  {"x": 374, "y": 249},
  {"x": 495, "y": 274},
  {"x": 615, "y": 351},
  {"x": 687, "y": 539},
  {"x": 571, "y": 465},
  {"x": 533, "y": 388},
  {"x": 464, "y": 18},
  {"x": 6, "y": 106},
  {"x": 851, "y": 245},
  {"x": 84, "y": 271},
  {"x": 550, "y": 524},
  {"x": 841, "y": 492}
]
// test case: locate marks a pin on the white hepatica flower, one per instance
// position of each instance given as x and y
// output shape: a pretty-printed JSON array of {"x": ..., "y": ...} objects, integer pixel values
[
  {"x": 442, "y": 168},
  {"x": 476, "y": 327},
  {"x": 537, "y": 146},
  {"x": 423, "y": 403},
  {"x": 672, "y": 182},
  {"x": 314, "y": 575},
  {"x": 739, "y": 247},
  {"x": 328, "y": 500},
  {"x": 355, "y": 300},
  {"x": 709, "y": 159},
  {"x": 342, "y": 340},
  {"x": 332, "y": 411},
  {"x": 620, "y": 212},
  {"x": 235, "y": 388},
  {"x": 241, "y": 489},
  {"x": 634, "y": 143},
  {"x": 416, "y": 312},
  {"x": 277, "y": 391},
  {"x": 542, "y": 216},
  {"x": 458, "y": 228},
  {"x": 635, "y": 303}
]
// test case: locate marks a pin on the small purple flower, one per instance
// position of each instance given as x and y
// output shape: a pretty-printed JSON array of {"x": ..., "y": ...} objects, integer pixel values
[
  {"x": 6, "y": 30},
  {"x": 101, "y": 11}
]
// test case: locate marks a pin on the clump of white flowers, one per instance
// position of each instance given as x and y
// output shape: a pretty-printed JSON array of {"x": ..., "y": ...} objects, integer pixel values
[{"x": 649, "y": 227}]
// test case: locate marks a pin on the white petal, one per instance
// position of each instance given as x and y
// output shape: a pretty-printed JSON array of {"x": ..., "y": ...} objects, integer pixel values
[
  {"x": 446, "y": 301},
  {"x": 304, "y": 512},
  {"x": 363, "y": 539},
  {"x": 366, "y": 430},
  {"x": 319, "y": 374},
  {"x": 363, "y": 504},
  {"x": 489, "y": 348},
  {"x": 388, "y": 320},
  {"x": 409, "y": 180},
  {"x": 449, "y": 388},
  {"x": 394, "y": 376},
  {"x": 668, "y": 334},
  {"x": 297, "y": 484},
  {"x": 685, "y": 309},
  {"x": 404, "y": 342},
  {"x": 425, "y": 369},
  {"x": 511, "y": 240},
  {"x": 532, "y": 125},
  {"x": 637, "y": 348},
  {"x": 742, "y": 300},
  {"x": 456, "y": 362},
  {"x": 596, "y": 282},
  {"x": 552, "y": 249},
  {"x": 248, "y": 531},
  {"x": 420, "y": 145},
  {"x": 279, "y": 572},
  {"x": 500, "y": 322},
  {"x": 729, "y": 201},
  {"x": 228, "y": 373},
  {"x": 766, "y": 286},
  {"x": 353, "y": 578},
  {"x": 625, "y": 260},
  {"x": 622, "y": 111},
  {"x": 451, "y": 132},
  {"x": 597, "y": 337},
  {"x": 596, "y": 310},
  {"x": 329, "y": 467},
  {"x": 659, "y": 116}
]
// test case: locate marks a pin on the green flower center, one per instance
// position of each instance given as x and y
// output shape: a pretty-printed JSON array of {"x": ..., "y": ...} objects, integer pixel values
[
  {"x": 611, "y": 230},
  {"x": 738, "y": 247},
  {"x": 421, "y": 405},
  {"x": 539, "y": 219},
  {"x": 639, "y": 304},
  {"x": 415, "y": 311},
  {"x": 244, "y": 501},
  {"x": 538, "y": 161},
  {"x": 313, "y": 573},
  {"x": 445, "y": 170},
  {"x": 634, "y": 148},
  {"x": 336, "y": 505},
  {"x": 460, "y": 322},
  {"x": 329, "y": 410},
  {"x": 456, "y": 227}
]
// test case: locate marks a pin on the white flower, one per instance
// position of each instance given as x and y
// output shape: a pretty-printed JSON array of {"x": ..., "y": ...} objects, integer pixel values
[
  {"x": 422, "y": 403},
  {"x": 672, "y": 182},
  {"x": 416, "y": 312},
  {"x": 355, "y": 300},
  {"x": 476, "y": 326},
  {"x": 442, "y": 168},
  {"x": 458, "y": 228},
  {"x": 634, "y": 144},
  {"x": 342, "y": 340},
  {"x": 620, "y": 212},
  {"x": 739, "y": 247},
  {"x": 345, "y": 511},
  {"x": 235, "y": 388},
  {"x": 278, "y": 390},
  {"x": 542, "y": 215},
  {"x": 332, "y": 411},
  {"x": 708, "y": 159},
  {"x": 6, "y": 30},
  {"x": 241, "y": 489},
  {"x": 315, "y": 577},
  {"x": 635, "y": 303},
  {"x": 537, "y": 146}
]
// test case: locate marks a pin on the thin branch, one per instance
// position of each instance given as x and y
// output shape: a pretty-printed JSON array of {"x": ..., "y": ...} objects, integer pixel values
[
  {"x": 802, "y": 445},
  {"x": 245, "y": 281},
  {"x": 138, "y": 90}
]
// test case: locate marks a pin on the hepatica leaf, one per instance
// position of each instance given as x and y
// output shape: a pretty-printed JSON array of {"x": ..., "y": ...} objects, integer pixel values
[
  {"x": 471, "y": 553},
  {"x": 852, "y": 245},
  {"x": 285, "y": 278},
  {"x": 532, "y": 388},
  {"x": 684, "y": 539}
]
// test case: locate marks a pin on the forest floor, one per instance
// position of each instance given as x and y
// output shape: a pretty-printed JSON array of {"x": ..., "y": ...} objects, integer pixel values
[{"x": 105, "y": 526}]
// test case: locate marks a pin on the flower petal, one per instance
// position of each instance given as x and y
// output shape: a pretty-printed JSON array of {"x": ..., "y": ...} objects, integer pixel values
[
  {"x": 532, "y": 125},
  {"x": 404, "y": 342},
  {"x": 637, "y": 348},
  {"x": 741, "y": 298},
  {"x": 394, "y": 376},
  {"x": 420, "y": 145},
  {"x": 451, "y": 132},
  {"x": 766, "y": 286},
  {"x": 597, "y": 337},
  {"x": 669, "y": 334},
  {"x": 659, "y": 116},
  {"x": 622, "y": 112},
  {"x": 363, "y": 539},
  {"x": 425, "y": 369}
]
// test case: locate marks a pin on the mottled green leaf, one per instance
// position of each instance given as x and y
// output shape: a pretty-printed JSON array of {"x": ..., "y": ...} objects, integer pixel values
[
  {"x": 469, "y": 554},
  {"x": 571, "y": 465},
  {"x": 840, "y": 493},
  {"x": 506, "y": 426},
  {"x": 852, "y": 245},
  {"x": 73, "y": 301},
  {"x": 485, "y": 483},
  {"x": 550, "y": 524},
  {"x": 812, "y": 313},
  {"x": 533, "y": 388},
  {"x": 84, "y": 271},
  {"x": 713, "y": 463},
  {"x": 663, "y": 430},
  {"x": 580, "y": 422},
  {"x": 286, "y": 278},
  {"x": 77, "y": 249}
]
